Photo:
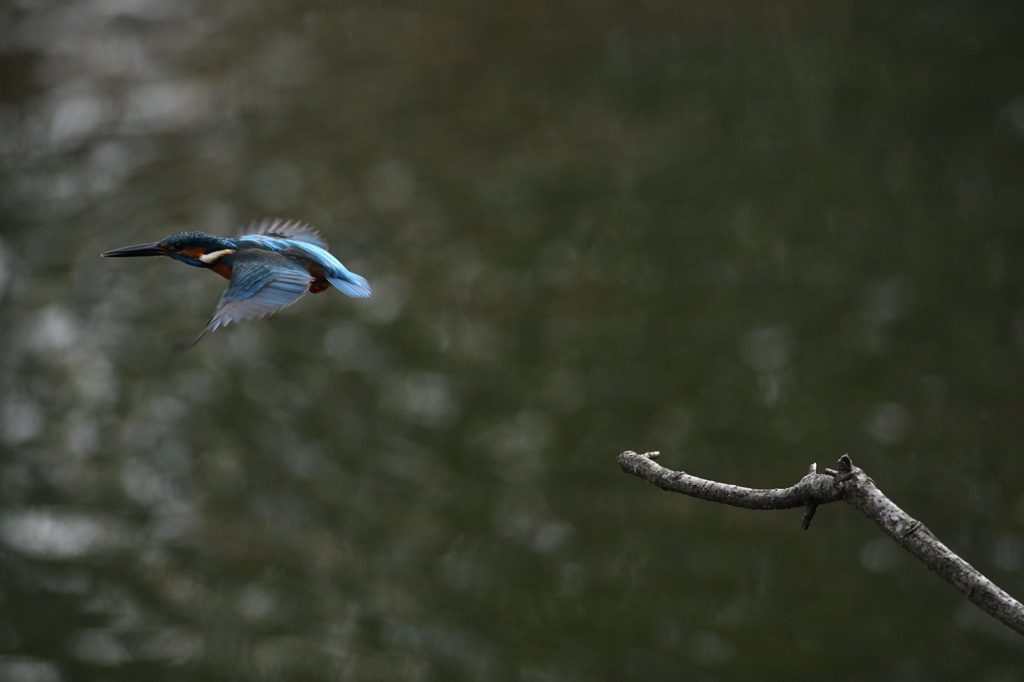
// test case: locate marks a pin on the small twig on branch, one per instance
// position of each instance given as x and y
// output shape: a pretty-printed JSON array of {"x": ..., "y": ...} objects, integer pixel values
[{"x": 849, "y": 484}]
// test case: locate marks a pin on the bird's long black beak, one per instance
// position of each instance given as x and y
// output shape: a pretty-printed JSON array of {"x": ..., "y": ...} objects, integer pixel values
[{"x": 153, "y": 249}]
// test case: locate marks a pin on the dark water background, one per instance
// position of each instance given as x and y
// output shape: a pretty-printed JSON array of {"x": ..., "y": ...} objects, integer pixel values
[{"x": 749, "y": 235}]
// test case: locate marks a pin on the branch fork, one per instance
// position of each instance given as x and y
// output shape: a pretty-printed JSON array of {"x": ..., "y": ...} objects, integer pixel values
[{"x": 846, "y": 483}]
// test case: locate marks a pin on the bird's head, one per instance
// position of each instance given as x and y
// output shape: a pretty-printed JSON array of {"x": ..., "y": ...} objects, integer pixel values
[{"x": 195, "y": 248}]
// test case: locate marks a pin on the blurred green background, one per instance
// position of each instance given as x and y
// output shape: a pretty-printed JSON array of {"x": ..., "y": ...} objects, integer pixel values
[{"x": 749, "y": 235}]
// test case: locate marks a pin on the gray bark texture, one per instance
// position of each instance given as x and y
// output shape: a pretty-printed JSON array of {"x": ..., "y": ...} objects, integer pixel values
[{"x": 849, "y": 484}]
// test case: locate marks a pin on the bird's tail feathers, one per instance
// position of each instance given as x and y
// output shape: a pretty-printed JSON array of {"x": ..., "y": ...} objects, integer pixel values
[{"x": 351, "y": 284}]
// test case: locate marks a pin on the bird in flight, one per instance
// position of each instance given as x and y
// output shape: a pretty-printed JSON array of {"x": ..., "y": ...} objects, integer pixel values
[{"x": 269, "y": 266}]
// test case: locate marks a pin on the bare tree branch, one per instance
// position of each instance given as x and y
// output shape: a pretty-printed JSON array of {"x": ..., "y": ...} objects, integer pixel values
[{"x": 851, "y": 485}]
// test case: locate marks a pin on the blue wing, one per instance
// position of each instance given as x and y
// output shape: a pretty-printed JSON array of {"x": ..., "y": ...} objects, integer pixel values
[
  {"x": 305, "y": 251},
  {"x": 285, "y": 229},
  {"x": 262, "y": 282}
]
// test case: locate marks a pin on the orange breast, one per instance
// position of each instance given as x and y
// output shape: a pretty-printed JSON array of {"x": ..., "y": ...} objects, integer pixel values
[
  {"x": 319, "y": 282},
  {"x": 222, "y": 269}
]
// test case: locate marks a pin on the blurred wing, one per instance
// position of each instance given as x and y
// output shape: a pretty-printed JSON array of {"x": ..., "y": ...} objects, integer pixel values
[
  {"x": 311, "y": 254},
  {"x": 286, "y": 229},
  {"x": 262, "y": 282}
]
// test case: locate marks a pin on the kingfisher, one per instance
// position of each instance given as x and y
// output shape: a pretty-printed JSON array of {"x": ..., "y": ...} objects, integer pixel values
[{"x": 269, "y": 265}]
